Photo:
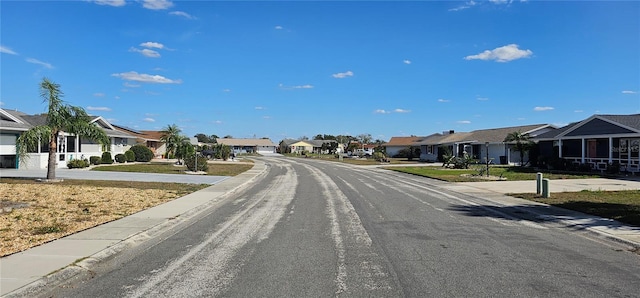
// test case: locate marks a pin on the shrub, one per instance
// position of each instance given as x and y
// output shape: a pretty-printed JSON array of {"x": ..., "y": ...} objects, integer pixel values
[
  {"x": 142, "y": 153},
  {"x": 130, "y": 156},
  {"x": 120, "y": 158},
  {"x": 190, "y": 162},
  {"x": 77, "y": 163},
  {"x": 379, "y": 156},
  {"x": 106, "y": 158},
  {"x": 94, "y": 160}
]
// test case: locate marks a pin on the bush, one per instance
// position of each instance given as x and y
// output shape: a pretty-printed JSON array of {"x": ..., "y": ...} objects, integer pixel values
[
  {"x": 94, "y": 160},
  {"x": 120, "y": 158},
  {"x": 106, "y": 158},
  {"x": 130, "y": 156},
  {"x": 77, "y": 164},
  {"x": 142, "y": 153},
  {"x": 190, "y": 162}
]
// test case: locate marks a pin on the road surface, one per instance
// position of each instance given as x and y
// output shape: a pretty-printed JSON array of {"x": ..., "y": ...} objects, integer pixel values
[{"x": 309, "y": 228}]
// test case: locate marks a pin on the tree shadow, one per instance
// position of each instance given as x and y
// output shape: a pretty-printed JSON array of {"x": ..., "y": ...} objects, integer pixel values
[{"x": 577, "y": 215}]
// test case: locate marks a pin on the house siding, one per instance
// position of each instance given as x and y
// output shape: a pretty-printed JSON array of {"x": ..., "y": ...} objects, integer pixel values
[{"x": 598, "y": 127}]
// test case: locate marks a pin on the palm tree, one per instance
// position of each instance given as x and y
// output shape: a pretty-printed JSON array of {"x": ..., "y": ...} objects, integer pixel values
[
  {"x": 171, "y": 136},
  {"x": 522, "y": 143},
  {"x": 60, "y": 118}
]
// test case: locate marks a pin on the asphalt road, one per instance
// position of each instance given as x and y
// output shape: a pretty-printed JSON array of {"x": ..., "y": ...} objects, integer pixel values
[{"x": 318, "y": 229}]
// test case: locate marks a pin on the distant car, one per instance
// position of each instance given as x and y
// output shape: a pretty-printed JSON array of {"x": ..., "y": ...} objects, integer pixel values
[{"x": 207, "y": 153}]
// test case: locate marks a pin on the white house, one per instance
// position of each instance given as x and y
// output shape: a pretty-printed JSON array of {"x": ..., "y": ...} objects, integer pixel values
[{"x": 13, "y": 123}]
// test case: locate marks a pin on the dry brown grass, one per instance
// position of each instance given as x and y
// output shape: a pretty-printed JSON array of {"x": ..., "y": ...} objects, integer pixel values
[{"x": 33, "y": 213}]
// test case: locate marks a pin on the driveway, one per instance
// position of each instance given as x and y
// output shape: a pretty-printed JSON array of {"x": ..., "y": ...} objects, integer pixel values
[{"x": 63, "y": 173}]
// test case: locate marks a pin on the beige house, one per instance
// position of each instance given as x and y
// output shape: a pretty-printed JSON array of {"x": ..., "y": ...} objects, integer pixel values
[{"x": 239, "y": 146}]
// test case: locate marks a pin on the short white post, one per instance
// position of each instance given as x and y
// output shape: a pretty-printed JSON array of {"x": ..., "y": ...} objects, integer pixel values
[
  {"x": 545, "y": 188},
  {"x": 539, "y": 183}
]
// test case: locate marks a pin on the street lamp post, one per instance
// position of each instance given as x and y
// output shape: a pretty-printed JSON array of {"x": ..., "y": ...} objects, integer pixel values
[{"x": 486, "y": 144}]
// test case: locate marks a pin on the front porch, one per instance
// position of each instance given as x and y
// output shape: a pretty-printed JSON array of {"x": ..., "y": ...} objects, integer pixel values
[{"x": 600, "y": 153}]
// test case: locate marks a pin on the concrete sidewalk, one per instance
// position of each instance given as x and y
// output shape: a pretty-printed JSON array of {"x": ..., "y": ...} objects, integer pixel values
[
  {"x": 68, "y": 255},
  {"x": 64, "y": 173},
  {"x": 561, "y": 185}
]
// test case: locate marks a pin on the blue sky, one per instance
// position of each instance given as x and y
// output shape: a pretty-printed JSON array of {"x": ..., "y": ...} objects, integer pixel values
[{"x": 288, "y": 69}]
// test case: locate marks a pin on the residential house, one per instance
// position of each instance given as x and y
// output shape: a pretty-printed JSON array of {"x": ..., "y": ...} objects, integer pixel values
[
  {"x": 480, "y": 144},
  {"x": 238, "y": 146},
  {"x": 13, "y": 123},
  {"x": 315, "y": 146},
  {"x": 396, "y": 144},
  {"x": 150, "y": 138},
  {"x": 597, "y": 141}
]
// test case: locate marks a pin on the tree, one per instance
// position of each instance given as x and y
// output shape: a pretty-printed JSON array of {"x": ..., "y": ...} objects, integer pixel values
[
  {"x": 522, "y": 143},
  {"x": 171, "y": 136},
  {"x": 365, "y": 139},
  {"x": 61, "y": 118},
  {"x": 184, "y": 149}
]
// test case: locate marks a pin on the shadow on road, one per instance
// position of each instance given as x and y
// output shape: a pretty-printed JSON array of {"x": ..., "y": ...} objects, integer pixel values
[{"x": 551, "y": 214}]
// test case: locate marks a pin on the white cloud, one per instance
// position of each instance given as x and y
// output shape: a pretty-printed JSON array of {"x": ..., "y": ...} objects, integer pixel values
[
  {"x": 103, "y": 109},
  {"x": 99, "y": 94},
  {"x": 36, "y": 61},
  {"x": 157, "y": 4},
  {"x": 145, "y": 78},
  {"x": 482, "y": 98},
  {"x": 381, "y": 111},
  {"x": 260, "y": 108},
  {"x": 443, "y": 100},
  {"x": 402, "y": 111},
  {"x": 146, "y": 52},
  {"x": 405, "y": 61},
  {"x": 7, "y": 50},
  {"x": 629, "y": 92},
  {"x": 152, "y": 44},
  {"x": 183, "y": 14},
  {"x": 307, "y": 86},
  {"x": 217, "y": 122},
  {"x": 226, "y": 90},
  {"x": 149, "y": 120},
  {"x": 116, "y": 3},
  {"x": 463, "y": 122},
  {"x": 127, "y": 84},
  {"x": 502, "y": 54},
  {"x": 464, "y": 6},
  {"x": 499, "y": 1},
  {"x": 542, "y": 109},
  {"x": 278, "y": 27},
  {"x": 342, "y": 75},
  {"x": 116, "y": 97},
  {"x": 578, "y": 111},
  {"x": 266, "y": 117},
  {"x": 521, "y": 119}
]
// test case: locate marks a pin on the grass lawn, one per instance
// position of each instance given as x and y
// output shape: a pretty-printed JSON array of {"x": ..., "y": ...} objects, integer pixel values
[
  {"x": 33, "y": 213},
  {"x": 623, "y": 206},
  {"x": 215, "y": 169},
  {"x": 509, "y": 173}
]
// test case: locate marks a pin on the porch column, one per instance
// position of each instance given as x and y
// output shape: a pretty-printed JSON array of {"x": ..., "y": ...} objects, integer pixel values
[
  {"x": 583, "y": 149},
  {"x": 560, "y": 148},
  {"x": 610, "y": 150}
]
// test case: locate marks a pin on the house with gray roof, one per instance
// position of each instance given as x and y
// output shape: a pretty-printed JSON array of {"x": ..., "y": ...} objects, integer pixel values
[
  {"x": 597, "y": 141},
  {"x": 480, "y": 144},
  {"x": 13, "y": 123}
]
